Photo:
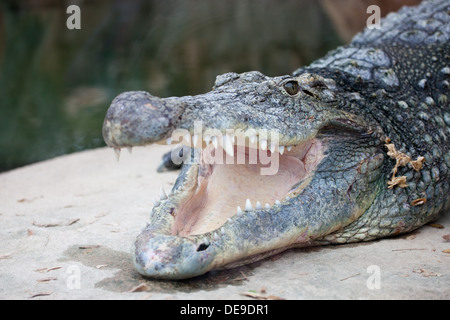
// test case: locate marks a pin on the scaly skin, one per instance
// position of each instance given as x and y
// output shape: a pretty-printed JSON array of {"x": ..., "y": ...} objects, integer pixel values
[{"x": 388, "y": 84}]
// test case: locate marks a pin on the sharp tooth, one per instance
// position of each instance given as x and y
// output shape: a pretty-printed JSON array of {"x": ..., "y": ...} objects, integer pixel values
[
  {"x": 216, "y": 236},
  {"x": 162, "y": 194},
  {"x": 230, "y": 220},
  {"x": 117, "y": 151},
  {"x": 156, "y": 203},
  {"x": 263, "y": 144},
  {"x": 277, "y": 202},
  {"x": 288, "y": 148},
  {"x": 229, "y": 149},
  {"x": 214, "y": 142},
  {"x": 169, "y": 140},
  {"x": 258, "y": 205},
  {"x": 281, "y": 149},
  {"x": 252, "y": 138},
  {"x": 272, "y": 147},
  {"x": 239, "y": 211},
  {"x": 207, "y": 139},
  {"x": 267, "y": 206},
  {"x": 222, "y": 231},
  {"x": 194, "y": 140},
  {"x": 248, "y": 205},
  {"x": 287, "y": 198},
  {"x": 206, "y": 241}
]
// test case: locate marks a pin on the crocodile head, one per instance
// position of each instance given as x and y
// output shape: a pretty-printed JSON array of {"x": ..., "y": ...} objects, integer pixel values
[{"x": 276, "y": 163}]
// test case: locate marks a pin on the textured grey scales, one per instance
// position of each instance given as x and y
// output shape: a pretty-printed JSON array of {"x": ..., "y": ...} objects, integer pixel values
[{"x": 363, "y": 151}]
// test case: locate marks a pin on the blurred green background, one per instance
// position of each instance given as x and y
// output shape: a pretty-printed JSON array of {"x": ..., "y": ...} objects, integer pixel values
[{"x": 56, "y": 84}]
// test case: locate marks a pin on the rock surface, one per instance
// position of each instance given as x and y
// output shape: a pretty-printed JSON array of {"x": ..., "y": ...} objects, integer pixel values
[{"x": 67, "y": 225}]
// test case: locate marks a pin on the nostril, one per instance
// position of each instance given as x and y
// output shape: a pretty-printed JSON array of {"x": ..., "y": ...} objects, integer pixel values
[{"x": 202, "y": 247}]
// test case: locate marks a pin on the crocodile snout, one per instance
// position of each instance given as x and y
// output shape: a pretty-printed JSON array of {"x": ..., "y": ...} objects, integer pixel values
[{"x": 136, "y": 118}]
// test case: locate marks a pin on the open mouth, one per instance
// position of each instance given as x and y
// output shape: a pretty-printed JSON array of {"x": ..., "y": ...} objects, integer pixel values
[{"x": 227, "y": 183}]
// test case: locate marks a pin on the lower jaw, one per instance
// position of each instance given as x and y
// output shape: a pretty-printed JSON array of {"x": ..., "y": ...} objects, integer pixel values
[{"x": 185, "y": 239}]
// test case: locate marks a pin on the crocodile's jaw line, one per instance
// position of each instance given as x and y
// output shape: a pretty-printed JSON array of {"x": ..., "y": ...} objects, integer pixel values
[
  {"x": 202, "y": 216},
  {"x": 310, "y": 198}
]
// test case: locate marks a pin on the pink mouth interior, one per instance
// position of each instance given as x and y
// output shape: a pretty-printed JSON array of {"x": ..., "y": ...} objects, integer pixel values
[{"x": 221, "y": 188}]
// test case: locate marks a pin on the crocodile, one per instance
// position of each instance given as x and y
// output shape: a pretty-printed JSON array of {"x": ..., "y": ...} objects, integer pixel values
[{"x": 355, "y": 147}]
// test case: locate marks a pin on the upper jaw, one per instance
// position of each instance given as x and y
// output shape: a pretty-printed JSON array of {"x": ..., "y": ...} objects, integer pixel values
[{"x": 137, "y": 118}]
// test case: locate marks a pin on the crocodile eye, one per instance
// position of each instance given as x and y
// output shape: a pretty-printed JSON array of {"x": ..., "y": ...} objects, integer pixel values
[{"x": 291, "y": 87}]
